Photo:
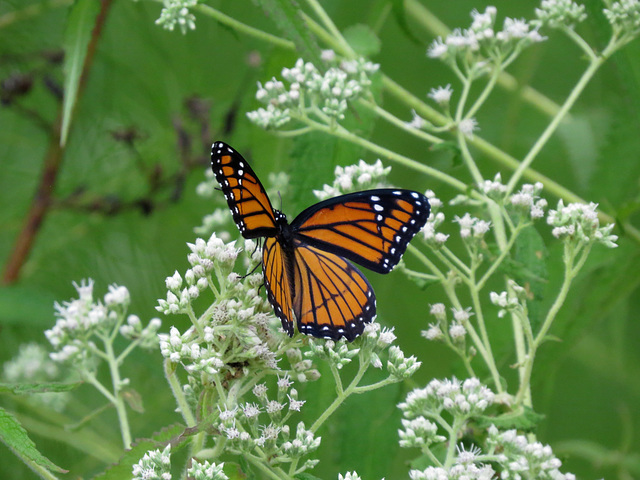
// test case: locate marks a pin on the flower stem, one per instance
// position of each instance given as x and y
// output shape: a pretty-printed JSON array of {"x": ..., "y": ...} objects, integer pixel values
[
  {"x": 119, "y": 404},
  {"x": 593, "y": 67}
]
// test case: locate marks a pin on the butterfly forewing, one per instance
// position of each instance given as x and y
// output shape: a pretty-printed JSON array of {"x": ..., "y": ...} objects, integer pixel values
[
  {"x": 332, "y": 298},
  {"x": 371, "y": 228},
  {"x": 277, "y": 282},
  {"x": 247, "y": 199}
]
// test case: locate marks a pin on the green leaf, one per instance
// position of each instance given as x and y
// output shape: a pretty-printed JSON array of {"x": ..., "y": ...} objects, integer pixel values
[
  {"x": 15, "y": 437},
  {"x": 29, "y": 388},
  {"x": 76, "y": 41},
  {"x": 400, "y": 14},
  {"x": 531, "y": 255},
  {"x": 525, "y": 420},
  {"x": 287, "y": 16},
  {"x": 362, "y": 39}
]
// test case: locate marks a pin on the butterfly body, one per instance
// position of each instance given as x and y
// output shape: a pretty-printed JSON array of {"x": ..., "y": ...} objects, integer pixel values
[{"x": 307, "y": 267}]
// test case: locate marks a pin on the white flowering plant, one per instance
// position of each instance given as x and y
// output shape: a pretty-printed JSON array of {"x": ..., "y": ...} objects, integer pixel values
[{"x": 455, "y": 378}]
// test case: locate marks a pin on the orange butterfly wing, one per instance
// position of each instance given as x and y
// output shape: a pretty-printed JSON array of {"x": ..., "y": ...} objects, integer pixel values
[
  {"x": 371, "y": 228},
  {"x": 278, "y": 283},
  {"x": 246, "y": 197},
  {"x": 331, "y": 298}
]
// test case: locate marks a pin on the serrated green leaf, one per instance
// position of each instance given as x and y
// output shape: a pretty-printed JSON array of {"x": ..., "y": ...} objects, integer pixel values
[
  {"x": 531, "y": 254},
  {"x": 400, "y": 13},
  {"x": 362, "y": 40},
  {"x": 287, "y": 16},
  {"x": 76, "y": 41},
  {"x": 28, "y": 388},
  {"x": 525, "y": 420},
  {"x": 16, "y": 438}
]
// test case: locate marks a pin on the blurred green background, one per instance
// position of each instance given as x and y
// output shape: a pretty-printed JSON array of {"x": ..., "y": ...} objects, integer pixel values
[{"x": 124, "y": 206}]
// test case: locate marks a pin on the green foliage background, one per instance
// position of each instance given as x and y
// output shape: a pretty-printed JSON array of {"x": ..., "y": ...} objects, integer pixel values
[{"x": 587, "y": 384}]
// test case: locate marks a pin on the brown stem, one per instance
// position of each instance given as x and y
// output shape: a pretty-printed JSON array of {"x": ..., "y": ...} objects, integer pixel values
[{"x": 53, "y": 160}]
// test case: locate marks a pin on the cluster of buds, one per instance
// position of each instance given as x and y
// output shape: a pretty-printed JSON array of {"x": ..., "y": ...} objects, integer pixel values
[
  {"x": 263, "y": 425},
  {"x": 205, "y": 257},
  {"x": 527, "y": 201},
  {"x": 579, "y": 222},
  {"x": 82, "y": 319},
  {"x": 519, "y": 455},
  {"x": 514, "y": 298},
  {"x": 481, "y": 42},
  {"x": 559, "y": 14},
  {"x": 361, "y": 176},
  {"x": 462, "y": 399},
  {"x": 308, "y": 89},
  {"x": 624, "y": 16},
  {"x": 434, "y": 238},
  {"x": 177, "y": 13}
]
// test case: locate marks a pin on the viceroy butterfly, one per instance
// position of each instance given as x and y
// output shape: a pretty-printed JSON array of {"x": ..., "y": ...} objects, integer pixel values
[{"x": 306, "y": 264}]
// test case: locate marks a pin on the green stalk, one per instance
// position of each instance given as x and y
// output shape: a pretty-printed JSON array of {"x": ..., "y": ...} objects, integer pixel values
[
  {"x": 243, "y": 27},
  {"x": 340, "y": 398},
  {"x": 119, "y": 401},
  {"x": 555, "y": 122}
]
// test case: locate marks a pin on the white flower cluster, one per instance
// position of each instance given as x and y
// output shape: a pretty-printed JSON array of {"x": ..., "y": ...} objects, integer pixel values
[
  {"x": 435, "y": 332},
  {"x": 418, "y": 433},
  {"x": 472, "y": 228},
  {"x": 528, "y": 200},
  {"x": 579, "y": 221},
  {"x": 436, "y": 218},
  {"x": 559, "y": 14},
  {"x": 133, "y": 330},
  {"x": 441, "y": 95},
  {"x": 176, "y": 12},
  {"x": 303, "y": 444},
  {"x": 520, "y": 457},
  {"x": 79, "y": 319},
  {"x": 154, "y": 465},
  {"x": 467, "y": 471},
  {"x": 206, "y": 471},
  {"x": 624, "y": 15},
  {"x": 494, "y": 189},
  {"x": 246, "y": 427},
  {"x": 462, "y": 399},
  {"x": 207, "y": 188},
  {"x": 339, "y": 353},
  {"x": 511, "y": 299},
  {"x": 181, "y": 348},
  {"x": 481, "y": 39},
  {"x": 400, "y": 366},
  {"x": 302, "y": 370},
  {"x": 32, "y": 364},
  {"x": 349, "y": 476},
  {"x": 203, "y": 258},
  {"x": 456, "y": 330},
  {"x": 362, "y": 176},
  {"x": 308, "y": 88}
]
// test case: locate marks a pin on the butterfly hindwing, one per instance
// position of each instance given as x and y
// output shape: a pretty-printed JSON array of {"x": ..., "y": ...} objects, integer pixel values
[
  {"x": 371, "y": 228},
  {"x": 331, "y": 298},
  {"x": 247, "y": 199},
  {"x": 277, "y": 282}
]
